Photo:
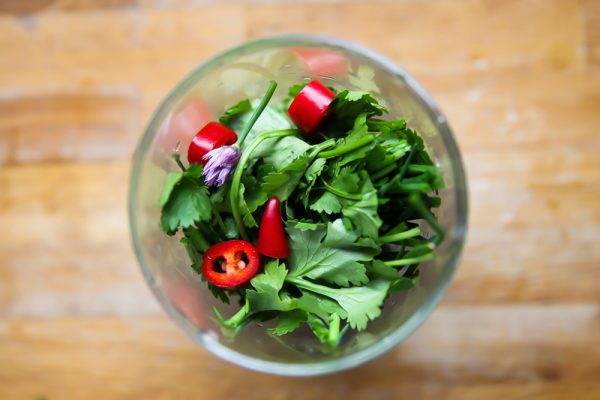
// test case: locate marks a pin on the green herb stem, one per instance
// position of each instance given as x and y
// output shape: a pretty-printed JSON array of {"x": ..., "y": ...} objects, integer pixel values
[
  {"x": 387, "y": 163},
  {"x": 409, "y": 261},
  {"x": 341, "y": 194},
  {"x": 313, "y": 287},
  {"x": 196, "y": 239},
  {"x": 413, "y": 187},
  {"x": 417, "y": 202},
  {"x": 177, "y": 158},
  {"x": 384, "y": 171},
  {"x": 406, "y": 163},
  {"x": 239, "y": 169},
  {"x": 318, "y": 148},
  {"x": 401, "y": 236},
  {"x": 219, "y": 220},
  {"x": 334, "y": 329},
  {"x": 348, "y": 148},
  {"x": 261, "y": 106},
  {"x": 235, "y": 320}
]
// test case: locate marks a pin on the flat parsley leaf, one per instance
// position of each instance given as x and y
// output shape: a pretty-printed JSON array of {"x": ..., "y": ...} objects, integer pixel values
[
  {"x": 327, "y": 203},
  {"x": 334, "y": 256},
  {"x": 235, "y": 111},
  {"x": 267, "y": 286},
  {"x": 358, "y": 133},
  {"x": 184, "y": 200},
  {"x": 288, "y": 322},
  {"x": 348, "y": 105},
  {"x": 361, "y": 303},
  {"x": 363, "y": 213},
  {"x": 269, "y": 120},
  {"x": 283, "y": 183},
  {"x": 321, "y": 306},
  {"x": 285, "y": 150}
]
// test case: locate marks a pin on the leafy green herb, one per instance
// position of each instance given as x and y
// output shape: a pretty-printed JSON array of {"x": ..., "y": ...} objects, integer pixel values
[
  {"x": 184, "y": 200},
  {"x": 336, "y": 194},
  {"x": 335, "y": 255},
  {"x": 235, "y": 111}
]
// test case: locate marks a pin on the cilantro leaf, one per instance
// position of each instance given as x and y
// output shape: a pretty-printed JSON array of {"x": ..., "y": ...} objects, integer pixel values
[
  {"x": 267, "y": 286},
  {"x": 269, "y": 120},
  {"x": 306, "y": 225},
  {"x": 283, "y": 183},
  {"x": 361, "y": 303},
  {"x": 363, "y": 213},
  {"x": 358, "y": 134},
  {"x": 254, "y": 196},
  {"x": 334, "y": 255},
  {"x": 346, "y": 181},
  {"x": 348, "y": 105},
  {"x": 314, "y": 170},
  {"x": 327, "y": 203},
  {"x": 234, "y": 111},
  {"x": 184, "y": 201},
  {"x": 288, "y": 322},
  {"x": 172, "y": 179},
  {"x": 321, "y": 306},
  {"x": 283, "y": 151}
]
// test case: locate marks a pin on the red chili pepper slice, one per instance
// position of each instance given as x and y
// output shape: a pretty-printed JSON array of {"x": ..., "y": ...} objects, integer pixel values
[
  {"x": 210, "y": 137},
  {"x": 271, "y": 236},
  {"x": 310, "y": 106},
  {"x": 230, "y": 264}
]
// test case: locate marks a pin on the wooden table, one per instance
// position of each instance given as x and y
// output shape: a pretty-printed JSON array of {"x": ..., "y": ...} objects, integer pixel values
[{"x": 520, "y": 83}]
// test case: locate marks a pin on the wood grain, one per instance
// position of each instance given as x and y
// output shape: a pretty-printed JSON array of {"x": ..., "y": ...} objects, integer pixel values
[
  {"x": 81, "y": 125},
  {"x": 520, "y": 84},
  {"x": 529, "y": 352},
  {"x": 508, "y": 34}
]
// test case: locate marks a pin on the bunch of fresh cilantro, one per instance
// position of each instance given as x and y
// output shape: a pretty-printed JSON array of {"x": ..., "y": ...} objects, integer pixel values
[{"x": 355, "y": 201}]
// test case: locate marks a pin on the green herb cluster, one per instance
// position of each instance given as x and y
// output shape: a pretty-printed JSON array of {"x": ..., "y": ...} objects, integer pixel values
[{"x": 354, "y": 203}]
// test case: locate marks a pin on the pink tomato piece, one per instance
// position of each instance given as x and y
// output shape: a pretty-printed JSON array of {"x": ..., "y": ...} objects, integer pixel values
[{"x": 322, "y": 62}]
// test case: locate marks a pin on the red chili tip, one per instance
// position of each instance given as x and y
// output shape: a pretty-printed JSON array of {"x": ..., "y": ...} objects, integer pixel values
[
  {"x": 309, "y": 108},
  {"x": 210, "y": 137},
  {"x": 271, "y": 236}
]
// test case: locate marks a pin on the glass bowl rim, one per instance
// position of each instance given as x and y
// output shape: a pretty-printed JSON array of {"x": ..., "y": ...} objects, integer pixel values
[{"x": 416, "y": 319}]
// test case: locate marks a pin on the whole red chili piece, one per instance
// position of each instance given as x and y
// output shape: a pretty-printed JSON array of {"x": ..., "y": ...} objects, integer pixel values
[
  {"x": 210, "y": 137},
  {"x": 271, "y": 236},
  {"x": 230, "y": 264},
  {"x": 309, "y": 107}
]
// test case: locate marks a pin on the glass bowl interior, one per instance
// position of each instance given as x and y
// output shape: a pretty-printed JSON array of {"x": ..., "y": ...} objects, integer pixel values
[{"x": 244, "y": 72}]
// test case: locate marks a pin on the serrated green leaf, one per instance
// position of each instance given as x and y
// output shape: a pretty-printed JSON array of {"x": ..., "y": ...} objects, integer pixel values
[
  {"x": 267, "y": 286},
  {"x": 327, "y": 203},
  {"x": 361, "y": 303},
  {"x": 285, "y": 150},
  {"x": 288, "y": 322},
  {"x": 315, "y": 169},
  {"x": 319, "y": 305},
  {"x": 307, "y": 225},
  {"x": 232, "y": 112},
  {"x": 173, "y": 178},
  {"x": 188, "y": 204},
  {"x": 363, "y": 213},
  {"x": 348, "y": 105},
  {"x": 283, "y": 183},
  {"x": 334, "y": 255},
  {"x": 346, "y": 181}
]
